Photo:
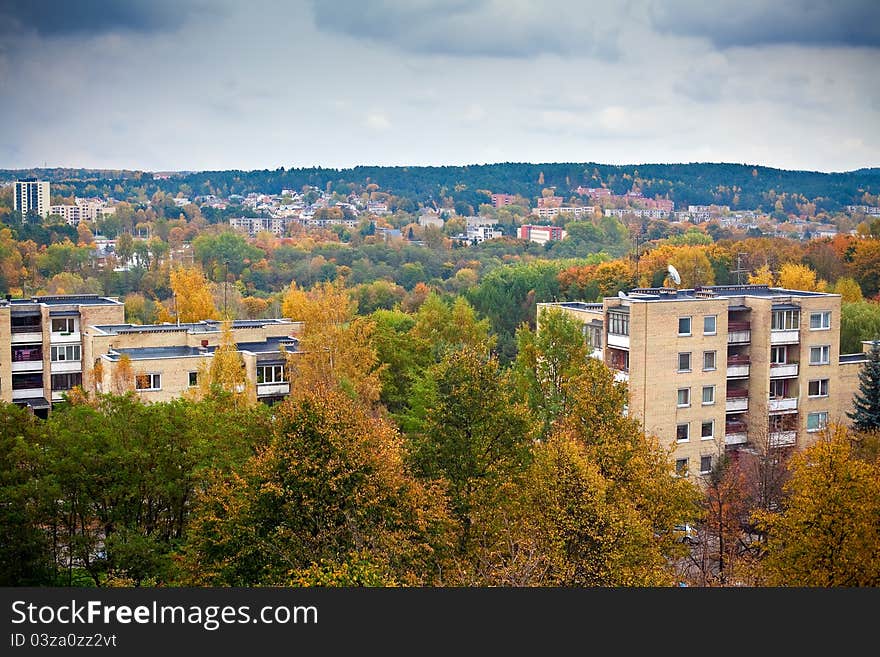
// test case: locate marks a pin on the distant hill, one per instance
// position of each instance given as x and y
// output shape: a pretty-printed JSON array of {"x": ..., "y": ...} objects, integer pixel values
[{"x": 741, "y": 186}]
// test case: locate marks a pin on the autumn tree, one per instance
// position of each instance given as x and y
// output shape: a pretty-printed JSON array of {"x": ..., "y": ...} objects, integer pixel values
[
  {"x": 122, "y": 378},
  {"x": 793, "y": 276},
  {"x": 193, "y": 301},
  {"x": 762, "y": 276},
  {"x": 859, "y": 321},
  {"x": 848, "y": 289},
  {"x": 329, "y": 495},
  {"x": 827, "y": 533},
  {"x": 335, "y": 350},
  {"x": 866, "y": 402}
]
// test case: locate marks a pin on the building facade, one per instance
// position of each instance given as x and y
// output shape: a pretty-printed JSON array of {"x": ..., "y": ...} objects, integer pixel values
[
  {"x": 541, "y": 234},
  {"x": 724, "y": 367},
  {"x": 31, "y": 195},
  {"x": 84, "y": 209},
  {"x": 51, "y": 344}
]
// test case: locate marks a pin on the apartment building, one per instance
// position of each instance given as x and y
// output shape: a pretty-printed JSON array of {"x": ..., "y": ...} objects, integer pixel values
[
  {"x": 50, "y": 344},
  {"x": 724, "y": 367},
  {"x": 541, "y": 234},
  {"x": 83, "y": 209},
  {"x": 166, "y": 360},
  {"x": 41, "y": 345},
  {"x": 29, "y": 195}
]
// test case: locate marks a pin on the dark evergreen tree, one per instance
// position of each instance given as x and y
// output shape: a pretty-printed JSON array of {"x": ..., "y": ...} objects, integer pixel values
[{"x": 866, "y": 404}]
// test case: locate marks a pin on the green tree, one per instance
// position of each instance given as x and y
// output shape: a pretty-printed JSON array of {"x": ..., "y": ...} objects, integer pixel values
[
  {"x": 866, "y": 403},
  {"x": 547, "y": 361},
  {"x": 858, "y": 321}
]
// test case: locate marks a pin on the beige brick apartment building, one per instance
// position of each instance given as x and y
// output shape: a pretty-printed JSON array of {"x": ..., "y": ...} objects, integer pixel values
[
  {"x": 724, "y": 367},
  {"x": 50, "y": 344}
]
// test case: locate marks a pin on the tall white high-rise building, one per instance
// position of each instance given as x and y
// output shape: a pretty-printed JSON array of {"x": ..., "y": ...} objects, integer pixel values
[{"x": 32, "y": 194}]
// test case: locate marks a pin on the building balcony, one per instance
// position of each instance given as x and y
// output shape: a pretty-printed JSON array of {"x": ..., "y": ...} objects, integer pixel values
[
  {"x": 739, "y": 332},
  {"x": 65, "y": 337},
  {"x": 737, "y": 401},
  {"x": 737, "y": 368},
  {"x": 270, "y": 389},
  {"x": 598, "y": 354},
  {"x": 783, "y": 438},
  {"x": 735, "y": 437},
  {"x": 63, "y": 366},
  {"x": 619, "y": 341},
  {"x": 785, "y": 337},
  {"x": 783, "y": 370},
  {"x": 27, "y": 393},
  {"x": 27, "y": 366},
  {"x": 780, "y": 404},
  {"x": 621, "y": 376},
  {"x": 20, "y": 335}
]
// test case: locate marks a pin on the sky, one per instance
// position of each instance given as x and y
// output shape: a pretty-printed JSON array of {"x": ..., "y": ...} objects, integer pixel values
[{"x": 163, "y": 85}]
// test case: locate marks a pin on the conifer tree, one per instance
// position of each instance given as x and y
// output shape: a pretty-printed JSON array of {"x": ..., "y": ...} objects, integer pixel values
[{"x": 866, "y": 404}]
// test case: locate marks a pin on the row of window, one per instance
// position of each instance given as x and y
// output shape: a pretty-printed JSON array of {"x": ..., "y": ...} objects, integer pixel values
[
  {"x": 820, "y": 355},
  {"x": 683, "y": 431},
  {"x": 781, "y": 320},
  {"x": 31, "y": 380},
  {"x": 779, "y": 388},
  {"x": 153, "y": 381},
  {"x": 681, "y": 466},
  {"x": 684, "y": 396}
]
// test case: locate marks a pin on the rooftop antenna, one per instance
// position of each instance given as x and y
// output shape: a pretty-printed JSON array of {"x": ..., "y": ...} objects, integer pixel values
[
  {"x": 673, "y": 274},
  {"x": 739, "y": 271}
]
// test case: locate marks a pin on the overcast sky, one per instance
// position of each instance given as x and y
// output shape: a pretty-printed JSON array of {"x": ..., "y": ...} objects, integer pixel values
[{"x": 218, "y": 84}]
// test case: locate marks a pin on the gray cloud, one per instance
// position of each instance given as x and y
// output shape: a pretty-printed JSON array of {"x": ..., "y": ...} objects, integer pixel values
[
  {"x": 730, "y": 23},
  {"x": 491, "y": 28},
  {"x": 63, "y": 18}
]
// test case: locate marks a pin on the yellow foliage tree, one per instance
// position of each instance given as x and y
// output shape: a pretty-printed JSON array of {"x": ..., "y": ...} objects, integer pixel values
[
  {"x": 123, "y": 376},
  {"x": 762, "y": 276},
  {"x": 335, "y": 350},
  {"x": 226, "y": 371},
  {"x": 193, "y": 301},
  {"x": 800, "y": 277},
  {"x": 849, "y": 290}
]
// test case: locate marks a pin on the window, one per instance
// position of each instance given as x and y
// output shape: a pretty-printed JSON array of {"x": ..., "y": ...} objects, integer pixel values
[
  {"x": 708, "y": 395},
  {"x": 684, "y": 362},
  {"x": 820, "y": 321},
  {"x": 707, "y": 430},
  {"x": 681, "y": 467},
  {"x": 66, "y": 381},
  {"x": 684, "y": 325},
  {"x": 778, "y": 388},
  {"x": 785, "y": 320},
  {"x": 618, "y": 323},
  {"x": 25, "y": 381},
  {"x": 27, "y": 353},
  {"x": 820, "y": 355},
  {"x": 709, "y": 325},
  {"x": 818, "y": 388},
  {"x": 593, "y": 334},
  {"x": 817, "y": 421},
  {"x": 709, "y": 361},
  {"x": 705, "y": 464},
  {"x": 778, "y": 355},
  {"x": 193, "y": 379},
  {"x": 63, "y": 325},
  {"x": 148, "y": 382},
  {"x": 683, "y": 432},
  {"x": 65, "y": 352},
  {"x": 270, "y": 374},
  {"x": 684, "y": 397}
]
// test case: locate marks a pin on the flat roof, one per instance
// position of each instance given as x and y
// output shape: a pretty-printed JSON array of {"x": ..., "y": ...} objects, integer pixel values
[
  {"x": 67, "y": 299},
  {"x": 269, "y": 346},
  {"x": 204, "y": 326},
  {"x": 860, "y": 357},
  {"x": 719, "y": 292}
]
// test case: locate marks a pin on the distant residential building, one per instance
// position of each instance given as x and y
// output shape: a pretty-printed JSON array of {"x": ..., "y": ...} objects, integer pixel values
[
  {"x": 594, "y": 192},
  {"x": 83, "y": 209},
  {"x": 29, "y": 195},
  {"x": 254, "y": 225},
  {"x": 541, "y": 234},
  {"x": 574, "y": 210},
  {"x": 431, "y": 218},
  {"x": 650, "y": 213},
  {"x": 871, "y": 210},
  {"x": 500, "y": 200},
  {"x": 374, "y": 207}
]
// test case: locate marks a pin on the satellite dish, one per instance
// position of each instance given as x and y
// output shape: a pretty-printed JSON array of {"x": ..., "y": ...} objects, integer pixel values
[
  {"x": 673, "y": 274},
  {"x": 622, "y": 294}
]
